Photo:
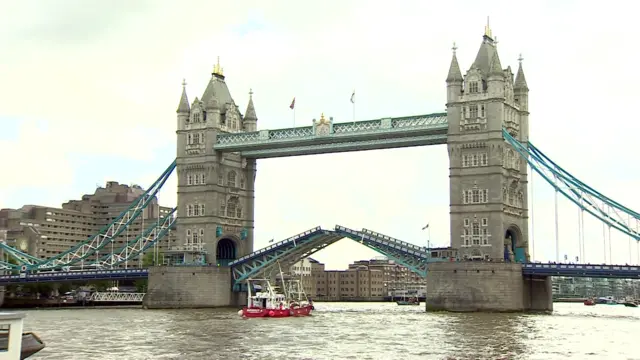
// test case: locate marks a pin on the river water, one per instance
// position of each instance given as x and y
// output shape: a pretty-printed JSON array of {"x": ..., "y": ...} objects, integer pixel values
[{"x": 338, "y": 331}]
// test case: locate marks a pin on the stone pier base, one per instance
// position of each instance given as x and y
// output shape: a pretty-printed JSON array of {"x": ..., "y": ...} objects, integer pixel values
[
  {"x": 189, "y": 287},
  {"x": 485, "y": 286}
]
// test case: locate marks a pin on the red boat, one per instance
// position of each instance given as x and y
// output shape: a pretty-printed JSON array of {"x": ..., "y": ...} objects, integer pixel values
[
  {"x": 589, "y": 302},
  {"x": 268, "y": 303}
]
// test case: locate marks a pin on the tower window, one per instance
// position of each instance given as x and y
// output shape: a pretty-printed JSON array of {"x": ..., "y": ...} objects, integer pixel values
[
  {"x": 473, "y": 87},
  {"x": 473, "y": 111},
  {"x": 481, "y": 110}
]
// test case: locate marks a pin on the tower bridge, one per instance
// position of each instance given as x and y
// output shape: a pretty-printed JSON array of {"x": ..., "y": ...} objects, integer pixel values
[{"x": 486, "y": 131}]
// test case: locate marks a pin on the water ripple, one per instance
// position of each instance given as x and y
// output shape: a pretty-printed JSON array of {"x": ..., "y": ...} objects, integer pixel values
[{"x": 367, "y": 331}]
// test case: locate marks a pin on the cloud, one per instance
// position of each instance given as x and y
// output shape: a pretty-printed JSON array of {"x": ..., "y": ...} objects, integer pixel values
[{"x": 92, "y": 93}]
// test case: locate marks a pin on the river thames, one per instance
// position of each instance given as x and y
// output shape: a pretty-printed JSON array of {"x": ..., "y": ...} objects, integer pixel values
[{"x": 338, "y": 331}]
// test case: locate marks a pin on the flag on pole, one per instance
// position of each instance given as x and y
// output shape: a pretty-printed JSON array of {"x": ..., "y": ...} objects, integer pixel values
[
  {"x": 426, "y": 227},
  {"x": 293, "y": 104},
  {"x": 353, "y": 97}
]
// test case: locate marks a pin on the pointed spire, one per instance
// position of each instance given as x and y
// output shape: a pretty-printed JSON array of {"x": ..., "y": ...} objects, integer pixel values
[
  {"x": 455, "y": 74},
  {"x": 217, "y": 69},
  {"x": 487, "y": 30},
  {"x": 250, "y": 114},
  {"x": 521, "y": 81},
  {"x": 183, "y": 106},
  {"x": 496, "y": 66}
]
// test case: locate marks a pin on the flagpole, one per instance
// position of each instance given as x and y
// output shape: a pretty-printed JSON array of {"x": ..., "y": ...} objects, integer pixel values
[{"x": 294, "y": 116}]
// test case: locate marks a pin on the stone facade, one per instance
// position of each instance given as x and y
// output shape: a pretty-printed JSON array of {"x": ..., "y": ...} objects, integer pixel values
[
  {"x": 215, "y": 190},
  {"x": 485, "y": 286},
  {"x": 488, "y": 179},
  {"x": 188, "y": 287}
]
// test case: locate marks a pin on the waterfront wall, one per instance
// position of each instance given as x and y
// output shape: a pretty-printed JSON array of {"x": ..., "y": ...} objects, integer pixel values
[
  {"x": 484, "y": 286},
  {"x": 189, "y": 287}
]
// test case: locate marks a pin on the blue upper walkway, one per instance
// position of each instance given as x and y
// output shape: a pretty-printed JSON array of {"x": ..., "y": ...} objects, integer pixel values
[{"x": 323, "y": 136}]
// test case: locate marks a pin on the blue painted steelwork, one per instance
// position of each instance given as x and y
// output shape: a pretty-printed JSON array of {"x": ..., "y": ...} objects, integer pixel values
[
  {"x": 413, "y": 257},
  {"x": 585, "y": 197},
  {"x": 82, "y": 275},
  {"x": 325, "y": 136},
  {"x": 286, "y": 252},
  {"x": 582, "y": 270}
]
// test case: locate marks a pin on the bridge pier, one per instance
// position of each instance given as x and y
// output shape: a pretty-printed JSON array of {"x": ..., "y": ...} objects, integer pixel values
[
  {"x": 485, "y": 286},
  {"x": 172, "y": 287}
]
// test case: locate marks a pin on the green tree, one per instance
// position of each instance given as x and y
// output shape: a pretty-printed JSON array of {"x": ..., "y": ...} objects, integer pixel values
[{"x": 148, "y": 259}]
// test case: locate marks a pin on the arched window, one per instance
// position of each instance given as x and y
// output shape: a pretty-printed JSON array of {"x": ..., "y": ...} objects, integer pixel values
[
  {"x": 231, "y": 207},
  {"x": 242, "y": 182},
  {"x": 188, "y": 235},
  {"x": 189, "y": 210},
  {"x": 511, "y": 196},
  {"x": 189, "y": 139},
  {"x": 239, "y": 212},
  {"x": 231, "y": 179}
]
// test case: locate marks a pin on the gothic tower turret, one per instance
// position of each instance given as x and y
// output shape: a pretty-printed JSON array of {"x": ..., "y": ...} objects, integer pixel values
[
  {"x": 215, "y": 190},
  {"x": 250, "y": 118},
  {"x": 488, "y": 180}
]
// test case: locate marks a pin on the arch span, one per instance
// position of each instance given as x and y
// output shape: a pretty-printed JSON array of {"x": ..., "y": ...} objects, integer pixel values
[
  {"x": 514, "y": 245},
  {"x": 226, "y": 251}
]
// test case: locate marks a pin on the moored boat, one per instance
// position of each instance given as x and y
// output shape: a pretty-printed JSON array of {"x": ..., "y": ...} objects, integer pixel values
[
  {"x": 630, "y": 304},
  {"x": 589, "y": 302},
  {"x": 267, "y": 302},
  {"x": 409, "y": 301},
  {"x": 17, "y": 347}
]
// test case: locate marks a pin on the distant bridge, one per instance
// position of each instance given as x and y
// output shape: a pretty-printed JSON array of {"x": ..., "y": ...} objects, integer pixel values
[{"x": 84, "y": 275}]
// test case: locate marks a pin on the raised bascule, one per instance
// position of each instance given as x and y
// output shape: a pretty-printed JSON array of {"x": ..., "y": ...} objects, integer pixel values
[{"x": 487, "y": 267}]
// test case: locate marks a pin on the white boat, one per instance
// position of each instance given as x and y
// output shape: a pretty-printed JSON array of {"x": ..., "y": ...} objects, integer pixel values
[{"x": 13, "y": 346}]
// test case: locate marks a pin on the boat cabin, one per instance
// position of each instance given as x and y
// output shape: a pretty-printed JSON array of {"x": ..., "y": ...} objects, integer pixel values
[{"x": 266, "y": 300}]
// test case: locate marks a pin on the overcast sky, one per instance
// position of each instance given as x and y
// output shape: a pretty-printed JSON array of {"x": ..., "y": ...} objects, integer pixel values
[{"x": 90, "y": 88}]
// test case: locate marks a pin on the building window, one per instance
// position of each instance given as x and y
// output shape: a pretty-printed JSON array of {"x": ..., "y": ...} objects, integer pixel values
[
  {"x": 196, "y": 138},
  {"x": 475, "y": 196},
  {"x": 201, "y": 138},
  {"x": 196, "y": 239},
  {"x": 231, "y": 179},
  {"x": 189, "y": 139},
  {"x": 203, "y": 177},
  {"x": 188, "y": 235},
  {"x": 466, "y": 222},
  {"x": 196, "y": 116},
  {"x": 473, "y": 111},
  {"x": 201, "y": 234},
  {"x": 196, "y": 180},
  {"x": 231, "y": 208},
  {"x": 189, "y": 180},
  {"x": 239, "y": 212},
  {"x": 484, "y": 159},
  {"x": 242, "y": 182},
  {"x": 481, "y": 110},
  {"x": 485, "y": 222},
  {"x": 189, "y": 210},
  {"x": 196, "y": 210},
  {"x": 475, "y": 159},
  {"x": 473, "y": 87},
  {"x": 222, "y": 207},
  {"x": 201, "y": 209}
]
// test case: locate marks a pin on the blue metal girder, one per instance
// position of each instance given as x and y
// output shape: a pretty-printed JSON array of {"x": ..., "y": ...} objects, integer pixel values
[
  {"x": 259, "y": 261},
  {"x": 54, "y": 276},
  {"x": 414, "y": 257},
  {"x": 387, "y": 128},
  {"x": 354, "y": 145},
  {"x": 582, "y": 270}
]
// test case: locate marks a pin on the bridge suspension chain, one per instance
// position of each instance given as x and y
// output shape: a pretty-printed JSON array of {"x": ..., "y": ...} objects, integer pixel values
[
  {"x": 601, "y": 207},
  {"x": 138, "y": 245},
  {"x": 109, "y": 233}
]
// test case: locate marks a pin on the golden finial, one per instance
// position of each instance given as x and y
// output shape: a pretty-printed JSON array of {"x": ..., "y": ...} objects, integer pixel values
[
  {"x": 322, "y": 119},
  {"x": 217, "y": 69},
  {"x": 487, "y": 30}
]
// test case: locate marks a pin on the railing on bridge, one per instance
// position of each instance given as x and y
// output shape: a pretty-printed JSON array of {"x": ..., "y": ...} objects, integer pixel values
[
  {"x": 112, "y": 296},
  {"x": 269, "y": 248},
  {"x": 53, "y": 276},
  {"x": 582, "y": 270},
  {"x": 326, "y": 132}
]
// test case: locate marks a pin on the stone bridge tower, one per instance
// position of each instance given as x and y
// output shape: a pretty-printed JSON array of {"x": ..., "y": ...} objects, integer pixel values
[
  {"x": 488, "y": 179},
  {"x": 215, "y": 190}
]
